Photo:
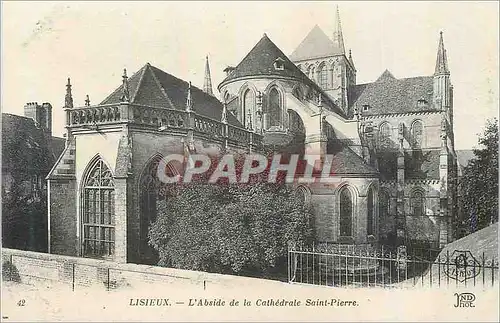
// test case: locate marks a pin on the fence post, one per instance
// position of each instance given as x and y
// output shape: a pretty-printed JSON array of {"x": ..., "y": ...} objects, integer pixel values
[
  {"x": 73, "y": 277},
  {"x": 108, "y": 277},
  {"x": 11, "y": 267}
]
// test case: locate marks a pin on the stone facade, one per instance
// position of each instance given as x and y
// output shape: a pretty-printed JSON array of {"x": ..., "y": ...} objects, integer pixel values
[{"x": 391, "y": 143}]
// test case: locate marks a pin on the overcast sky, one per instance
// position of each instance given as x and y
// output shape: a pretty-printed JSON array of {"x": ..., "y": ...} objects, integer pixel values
[{"x": 43, "y": 43}]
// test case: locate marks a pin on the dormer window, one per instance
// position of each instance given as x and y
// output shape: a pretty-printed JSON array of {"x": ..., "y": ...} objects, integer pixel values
[
  {"x": 229, "y": 70},
  {"x": 366, "y": 107},
  {"x": 421, "y": 103},
  {"x": 279, "y": 64}
]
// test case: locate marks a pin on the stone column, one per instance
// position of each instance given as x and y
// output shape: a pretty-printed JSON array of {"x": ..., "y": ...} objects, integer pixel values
[
  {"x": 121, "y": 206},
  {"x": 400, "y": 210}
]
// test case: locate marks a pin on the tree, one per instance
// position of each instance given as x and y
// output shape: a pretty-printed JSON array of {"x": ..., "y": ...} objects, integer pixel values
[
  {"x": 479, "y": 184},
  {"x": 229, "y": 228}
]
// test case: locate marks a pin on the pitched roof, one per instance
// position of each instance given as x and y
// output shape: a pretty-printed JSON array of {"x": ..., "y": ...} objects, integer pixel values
[
  {"x": 316, "y": 44},
  {"x": 153, "y": 87},
  {"x": 260, "y": 61},
  {"x": 346, "y": 161},
  {"x": 389, "y": 95}
]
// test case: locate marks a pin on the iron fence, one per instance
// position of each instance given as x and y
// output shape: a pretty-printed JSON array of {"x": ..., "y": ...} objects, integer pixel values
[{"x": 366, "y": 266}]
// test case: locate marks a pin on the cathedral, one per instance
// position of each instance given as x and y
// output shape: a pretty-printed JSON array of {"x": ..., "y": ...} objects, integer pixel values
[{"x": 391, "y": 140}]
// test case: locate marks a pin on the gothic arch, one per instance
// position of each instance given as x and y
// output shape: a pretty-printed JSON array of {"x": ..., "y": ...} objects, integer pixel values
[
  {"x": 418, "y": 202},
  {"x": 322, "y": 75},
  {"x": 372, "y": 215},
  {"x": 275, "y": 106},
  {"x": 304, "y": 193},
  {"x": 150, "y": 189},
  {"x": 97, "y": 210},
  {"x": 417, "y": 133},
  {"x": 247, "y": 89},
  {"x": 384, "y": 134},
  {"x": 346, "y": 210}
]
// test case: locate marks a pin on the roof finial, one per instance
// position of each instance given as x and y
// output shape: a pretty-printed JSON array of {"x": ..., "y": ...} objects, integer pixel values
[
  {"x": 351, "y": 60},
  {"x": 441, "y": 59},
  {"x": 68, "y": 99},
  {"x": 189, "y": 100},
  {"x": 338, "y": 38},
  {"x": 87, "y": 101},
  {"x": 207, "y": 83},
  {"x": 125, "y": 90}
]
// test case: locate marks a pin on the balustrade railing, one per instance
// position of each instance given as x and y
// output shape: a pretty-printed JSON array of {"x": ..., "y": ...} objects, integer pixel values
[{"x": 159, "y": 118}]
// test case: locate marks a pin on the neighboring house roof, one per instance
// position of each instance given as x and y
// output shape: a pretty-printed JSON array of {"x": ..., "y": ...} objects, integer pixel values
[
  {"x": 315, "y": 45},
  {"x": 25, "y": 148},
  {"x": 57, "y": 146},
  {"x": 389, "y": 95},
  {"x": 151, "y": 86}
]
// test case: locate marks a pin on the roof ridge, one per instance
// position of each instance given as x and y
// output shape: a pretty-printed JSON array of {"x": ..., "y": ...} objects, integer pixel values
[
  {"x": 143, "y": 69},
  {"x": 159, "y": 84},
  {"x": 244, "y": 58}
]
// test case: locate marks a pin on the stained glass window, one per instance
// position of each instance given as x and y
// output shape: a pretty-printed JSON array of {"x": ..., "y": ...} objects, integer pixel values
[
  {"x": 98, "y": 212},
  {"x": 417, "y": 132},
  {"x": 323, "y": 77},
  {"x": 248, "y": 108},
  {"x": 384, "y": 138},
  {"x": 370, "y": 215},
  {"x": 275, "y": 113},
  {"x": 345, "y": 213}
]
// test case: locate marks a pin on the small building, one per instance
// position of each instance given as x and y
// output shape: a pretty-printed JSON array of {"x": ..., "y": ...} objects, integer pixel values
[{"x": 28, "y": 152}]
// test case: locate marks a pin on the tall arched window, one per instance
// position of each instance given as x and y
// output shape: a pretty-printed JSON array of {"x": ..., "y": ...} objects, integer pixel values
[
  {"x": 248, "y": 108},
  {"x": 418, "y": 203},
  {"x": 384, "y": 204},
  {"x": 345, "y": 213},
  {"x": 275, "y": 109},
  {"x": 323, "y": 77},
  {"x": 417, "y": 133},
  {"x": 98, "y": 208},
  {"x": 371, "y": 213},
  {"x": 384, "y": 137}
]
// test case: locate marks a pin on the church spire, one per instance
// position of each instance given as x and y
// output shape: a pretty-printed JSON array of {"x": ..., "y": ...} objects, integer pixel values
[
  {"x": 338, "y": 38},
  {"x": 68, "y": 99},
  {"x": 207, "y": 84},
  {"x": 441, "y": 60}
]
